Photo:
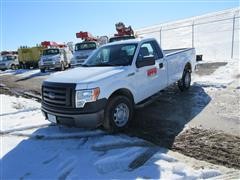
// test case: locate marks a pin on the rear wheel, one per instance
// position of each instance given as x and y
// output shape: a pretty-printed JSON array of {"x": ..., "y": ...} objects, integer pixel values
[
  {"x": 185, "y": 82},
  {"x": 43, "y": 70},
  {"x": 118, "y": 113}
]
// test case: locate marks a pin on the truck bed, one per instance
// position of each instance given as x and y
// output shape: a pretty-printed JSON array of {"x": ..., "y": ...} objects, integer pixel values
[{"x": 169, "y": 52}]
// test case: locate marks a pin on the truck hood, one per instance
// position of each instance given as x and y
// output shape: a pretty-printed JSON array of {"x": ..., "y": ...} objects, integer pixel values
[{"x": 84, "y": 75}]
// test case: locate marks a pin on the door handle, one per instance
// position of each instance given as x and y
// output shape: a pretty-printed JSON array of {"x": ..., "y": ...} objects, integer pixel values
[{"x": 161, "y": 65}]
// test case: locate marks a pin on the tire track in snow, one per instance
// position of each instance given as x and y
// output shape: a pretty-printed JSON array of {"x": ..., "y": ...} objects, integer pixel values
[
  {"x": 66, "y": 168},
  {"x": 21, "y": 111},
  {"x": 23, "y": 128},
  {"x": 58, "y": 137},
  {"x": 143, "y": 157},
  {"x": 117, "y": 145},
  {"x": 50, "y": 159}
]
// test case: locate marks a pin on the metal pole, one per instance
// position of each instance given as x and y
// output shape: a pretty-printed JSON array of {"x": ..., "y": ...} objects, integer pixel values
[
  {"x": 233, "y": 34},
  {"x": 193, "y": 34},
  {"x": 160, "y": 36}
]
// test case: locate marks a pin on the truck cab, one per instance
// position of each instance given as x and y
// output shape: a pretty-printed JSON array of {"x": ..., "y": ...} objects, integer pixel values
[
  {"x": 82, "y": 51},
  {"x": 9, "y": 61},
  {"x": 55, "y": 57},
  {"x": 115, "y": 79}
]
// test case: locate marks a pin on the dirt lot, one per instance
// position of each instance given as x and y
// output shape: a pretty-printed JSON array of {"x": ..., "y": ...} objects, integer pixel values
[{"x": 209, "y": 115}]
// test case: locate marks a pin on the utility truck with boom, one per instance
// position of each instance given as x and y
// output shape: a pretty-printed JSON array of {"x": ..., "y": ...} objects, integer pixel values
[
  {"x": 85, "y": 48},
  {"x": 115, "y": 79},
  {"x": 54, "y": 56},
  {"x": 123, "y": 33}
]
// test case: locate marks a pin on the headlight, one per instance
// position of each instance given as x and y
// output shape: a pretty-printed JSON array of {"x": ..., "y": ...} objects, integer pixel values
[{"x": 84, "y": 96}]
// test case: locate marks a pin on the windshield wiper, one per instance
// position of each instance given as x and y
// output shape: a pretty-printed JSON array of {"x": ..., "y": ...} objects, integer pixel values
[{"x": 101, "y": 64}]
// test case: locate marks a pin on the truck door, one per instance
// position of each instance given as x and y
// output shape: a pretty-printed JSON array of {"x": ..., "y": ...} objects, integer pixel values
[
  {"x": 149, "y": 77},
  {"x": 161, "y": 67}
]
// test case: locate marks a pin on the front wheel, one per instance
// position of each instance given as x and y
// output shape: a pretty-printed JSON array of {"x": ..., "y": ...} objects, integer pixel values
[
  {"x": 185, "y": 82},
  {"x": 13, "y": 67},
  {"x": 118, "y": 113},
  {"x": 43, "y": 70}
]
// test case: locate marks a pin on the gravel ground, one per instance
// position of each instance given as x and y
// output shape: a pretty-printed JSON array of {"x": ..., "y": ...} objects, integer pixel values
[{"x": 212, "y": 146}]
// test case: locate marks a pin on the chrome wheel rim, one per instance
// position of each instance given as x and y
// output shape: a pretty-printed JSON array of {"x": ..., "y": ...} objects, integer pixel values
[{"x": 121, "y": 115}]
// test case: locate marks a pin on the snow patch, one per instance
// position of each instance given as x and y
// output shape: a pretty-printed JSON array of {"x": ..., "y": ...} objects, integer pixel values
[
  {"x": 59, "y": 152},
  {"x": 221, "y": 78}
]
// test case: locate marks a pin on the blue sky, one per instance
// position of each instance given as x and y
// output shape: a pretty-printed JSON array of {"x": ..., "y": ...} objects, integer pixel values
[{"x": 30, "y": 22}]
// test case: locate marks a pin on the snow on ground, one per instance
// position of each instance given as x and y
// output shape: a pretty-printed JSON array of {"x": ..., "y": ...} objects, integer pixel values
[
  {"x": 222, "y": 77},
  {"x": 26, "y": 73},
  {"x": 33, "y": 148}
]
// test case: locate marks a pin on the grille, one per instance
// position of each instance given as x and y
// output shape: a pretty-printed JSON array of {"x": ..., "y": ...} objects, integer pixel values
[{"x": 56, "y": 94}]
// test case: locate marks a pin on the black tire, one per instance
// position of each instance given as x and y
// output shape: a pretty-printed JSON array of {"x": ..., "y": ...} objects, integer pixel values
[
  {"x": 62, "y": 68},
  {"x": 42, "y": 70},
  {"x": 13, "y": 67},
  {"x": 185, "y": 83},
  {"x": 111, "y": 122}
]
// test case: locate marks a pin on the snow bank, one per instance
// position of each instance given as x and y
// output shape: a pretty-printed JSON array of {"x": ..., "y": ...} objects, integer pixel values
[
  {"x": 31, "y": 150},
  {"x": 17, "y": 113},
  {"x": 222, "y": 77}
]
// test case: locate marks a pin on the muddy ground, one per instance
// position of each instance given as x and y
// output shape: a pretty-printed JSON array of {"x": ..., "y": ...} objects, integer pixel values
[{"x": 211, "y": 116}]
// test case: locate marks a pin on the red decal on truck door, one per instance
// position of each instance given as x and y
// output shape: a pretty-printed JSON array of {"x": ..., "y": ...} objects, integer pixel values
[{"x": 152, "y": 71}]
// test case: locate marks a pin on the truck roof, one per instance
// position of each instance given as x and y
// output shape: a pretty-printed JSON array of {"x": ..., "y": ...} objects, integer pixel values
[{"x": 130, "y": 41}]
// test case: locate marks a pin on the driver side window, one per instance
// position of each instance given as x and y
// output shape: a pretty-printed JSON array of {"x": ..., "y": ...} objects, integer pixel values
[{"x": 146, "y": 50}]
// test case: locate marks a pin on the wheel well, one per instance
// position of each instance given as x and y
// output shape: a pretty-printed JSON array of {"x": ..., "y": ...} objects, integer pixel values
[
  {"x": 124, "y": 92},
  {"x": 188, "y": 66}
]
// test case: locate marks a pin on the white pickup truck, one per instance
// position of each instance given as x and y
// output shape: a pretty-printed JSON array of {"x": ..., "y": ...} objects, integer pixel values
[{"x": 115, "y": 79}]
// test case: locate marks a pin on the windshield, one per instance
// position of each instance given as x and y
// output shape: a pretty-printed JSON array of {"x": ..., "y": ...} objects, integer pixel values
[
  {"x": 85, "y": 46},
  {"x": 50, "y": 52},
  {"x": 120, "y": 38},
  {"x": 8, "y": 58},
  {"x": 112, "y": 55}
]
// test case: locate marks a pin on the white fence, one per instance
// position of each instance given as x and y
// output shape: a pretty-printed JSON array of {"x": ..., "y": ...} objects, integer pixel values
[{"x": 215, "y": 35}]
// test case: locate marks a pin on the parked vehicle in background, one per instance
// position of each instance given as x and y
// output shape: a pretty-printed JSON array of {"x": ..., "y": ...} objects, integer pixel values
[
  {"x": 84, "y": 49},
  {"x": 123, "y": 33},
  {"x": 9, "y": 60},
  {"x": 54, "y": 56},
  {"x": 114, "y": 80},
  {"x": 29, "y": 56}
]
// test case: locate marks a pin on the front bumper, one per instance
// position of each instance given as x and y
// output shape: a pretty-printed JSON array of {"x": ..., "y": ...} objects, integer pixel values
[
  {"x": 91, "y": 116},
  {"x": 50, "y": 66}
]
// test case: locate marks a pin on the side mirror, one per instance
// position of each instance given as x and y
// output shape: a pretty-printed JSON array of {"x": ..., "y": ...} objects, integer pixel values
[{"x": 145, "y": 61}]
